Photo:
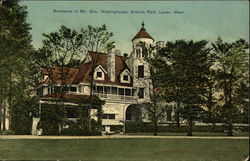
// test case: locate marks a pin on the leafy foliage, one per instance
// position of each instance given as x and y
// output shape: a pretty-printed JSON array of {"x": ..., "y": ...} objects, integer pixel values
[
  {"x": 15, "y": 49},
  {"x": 232, "y": 75}
]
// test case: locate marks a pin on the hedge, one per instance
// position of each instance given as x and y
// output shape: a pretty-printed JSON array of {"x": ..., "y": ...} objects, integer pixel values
[{"x": 142, "y": 127}]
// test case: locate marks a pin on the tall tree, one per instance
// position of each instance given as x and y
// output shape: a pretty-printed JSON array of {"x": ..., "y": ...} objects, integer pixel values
[
  {"x": 95, "y": 39},
  {"x": 60, "y": 51},
  {"x": 190, "y": 67},
  {"x": 158, "y": 68},
  {"x": 232, "y": 71},
  {"x": 15, "y": 48}
]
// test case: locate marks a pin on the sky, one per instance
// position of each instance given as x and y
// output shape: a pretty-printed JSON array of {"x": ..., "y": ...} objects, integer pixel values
[{"x": 195, "y": 20}]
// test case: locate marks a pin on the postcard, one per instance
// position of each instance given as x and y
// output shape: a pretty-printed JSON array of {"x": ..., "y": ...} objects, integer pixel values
[{"x": 124, "y": 80}]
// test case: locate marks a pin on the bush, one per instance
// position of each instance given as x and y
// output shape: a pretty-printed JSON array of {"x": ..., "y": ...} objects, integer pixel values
[
  {"x": 49, "y": 119},
  {"x": 138, "y": 127},
  {"x": 21, "y": 118},
  {"x": 78, "y": 132},
  {"x": 7, "y": 132},
  {"x": 116, "y": 128},
  {"x": 135, "y": 127}
]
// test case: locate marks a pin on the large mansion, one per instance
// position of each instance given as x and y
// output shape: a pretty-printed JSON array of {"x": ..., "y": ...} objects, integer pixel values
[{"x": 119, "y": 79}]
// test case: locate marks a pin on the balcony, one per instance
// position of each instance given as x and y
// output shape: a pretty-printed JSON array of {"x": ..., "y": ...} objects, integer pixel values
[{"x": 115, "y": 97}]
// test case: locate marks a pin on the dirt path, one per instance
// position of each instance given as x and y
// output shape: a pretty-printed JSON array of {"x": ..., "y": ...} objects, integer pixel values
[{"x": 117, "y": 136}]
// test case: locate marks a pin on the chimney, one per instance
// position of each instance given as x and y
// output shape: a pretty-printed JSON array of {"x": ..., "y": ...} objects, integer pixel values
[
  {"x": 111, "y": 65},
  {"x": 118, "y": 52},
  {"x": 125, "y": 54}
]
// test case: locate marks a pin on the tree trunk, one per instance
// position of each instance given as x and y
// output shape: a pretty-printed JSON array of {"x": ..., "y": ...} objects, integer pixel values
[
  {"x": 90, "y": 102},
  {"x": 155, "y": 128},
  {"x": 4, "y": 118},
  {"x": 230, "y": 129},
  {"x": 189, "y": 130},
  {"x": 178, "y": 114},
  {"x": 89, "y": 119},
  {"x": 177, "y": 117}
]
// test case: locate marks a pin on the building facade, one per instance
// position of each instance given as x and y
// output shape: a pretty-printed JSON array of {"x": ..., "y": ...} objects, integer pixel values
[{"x": 121, "y": 80}]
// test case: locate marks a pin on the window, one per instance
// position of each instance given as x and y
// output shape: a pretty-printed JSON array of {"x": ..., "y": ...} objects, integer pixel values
[
  {"x": 128, "y": 92},
  {"x": 100, "y": 89},
  {"x": 48, "y": 90},
  {"x": 71, "y": 112},
  {"x": 73, "y": 89},
  {"x": 105, "y": 116},
  {"x": 141, "y": 93},
  {"x": 80, "y": 89},
  {"x": 56, "y": 89},
  {"x": 111, "y": 116},
  {"x": 114, "y": 90},
  {"x": 39, "y": 91},
  {"x": 141, "y": 71},
  {"x": 125, "y": 77},
  {"x": 106, "y": 90},
  {"x": 99, "y": 74},
  {"x": 108, "y": 116},
  {"x": 121, "y": 91},
  {"x": 65, "y": 89},
  {"x": 138, "y": 53}
]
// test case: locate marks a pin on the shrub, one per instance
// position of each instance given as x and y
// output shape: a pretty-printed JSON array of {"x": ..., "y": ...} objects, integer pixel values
[
  {"x": 78, "y": 132},
  {"x": 135, "y": 127},
  {"x": 21, "y": 118},
  {"x": 116, "y": 128},
  {"x": 49, "y": 119},
  {"x": 7, "y": 132},
  {"x": 75, "y": 129}
]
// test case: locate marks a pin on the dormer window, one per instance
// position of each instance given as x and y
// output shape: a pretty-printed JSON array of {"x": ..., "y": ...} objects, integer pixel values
[
  {"x": 99, "y": 74},
  {"x": 125, "y": 76}
]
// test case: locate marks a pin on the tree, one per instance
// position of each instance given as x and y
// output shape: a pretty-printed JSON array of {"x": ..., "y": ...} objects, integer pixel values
[
  {"x": 189, "y": 62},
  {"x": 158, "y": 68},
  {"x": 232, "y": 71},
  {"x": 15, "y": 48},
  {"x": 60, "y": 51},
  {"x": 95, "y": 39},
  {"x": 210, "y": 85}
]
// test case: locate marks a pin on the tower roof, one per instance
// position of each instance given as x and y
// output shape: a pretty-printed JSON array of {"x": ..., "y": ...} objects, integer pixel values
[{"x": 142, "y": 33}]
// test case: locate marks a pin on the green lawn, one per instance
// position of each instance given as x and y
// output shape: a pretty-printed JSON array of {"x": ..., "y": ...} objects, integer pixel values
[{"x": 143, "y": 149}]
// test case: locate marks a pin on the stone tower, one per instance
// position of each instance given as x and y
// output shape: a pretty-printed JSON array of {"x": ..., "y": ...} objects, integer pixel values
[{"x": 140, "y": 68}]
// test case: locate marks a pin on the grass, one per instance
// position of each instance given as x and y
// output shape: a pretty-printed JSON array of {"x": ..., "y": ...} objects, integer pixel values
[{"x": 124, "y": 149}]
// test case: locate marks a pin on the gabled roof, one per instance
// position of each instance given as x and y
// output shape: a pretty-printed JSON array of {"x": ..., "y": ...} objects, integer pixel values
[
  {"x": 101, "y": 59},
  {"x": 100, "y": 67},
  {"x": 83, "y": 72},
  {"x": 142, "y": 34},
  {"x": 125, "y": 71},
  {"x": 56, "y": 74}
]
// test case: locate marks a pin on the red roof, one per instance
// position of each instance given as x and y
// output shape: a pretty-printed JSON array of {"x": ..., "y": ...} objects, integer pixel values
[
  {"x": 82, "y": 72},
  {"x": 101, "y": 59},
  {"x": 142, "y": 34},
  {"x": 56, "y": 74}
]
